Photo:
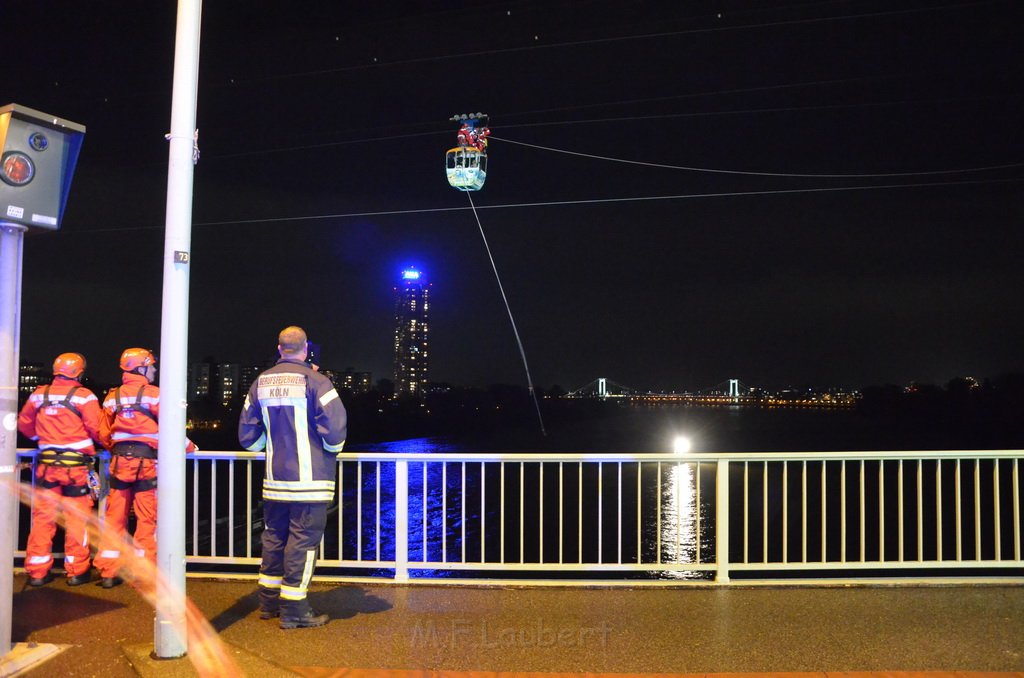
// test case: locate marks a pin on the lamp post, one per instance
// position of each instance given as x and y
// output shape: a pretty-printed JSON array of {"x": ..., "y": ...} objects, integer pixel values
[{"x": 169, "y": 637}]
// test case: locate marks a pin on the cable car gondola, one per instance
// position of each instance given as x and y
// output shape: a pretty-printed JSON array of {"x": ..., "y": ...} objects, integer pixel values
[{"x": 466, "y": 163}]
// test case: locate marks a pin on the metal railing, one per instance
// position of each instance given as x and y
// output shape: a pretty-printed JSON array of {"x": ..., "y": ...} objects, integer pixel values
[{"x": 636, "y": 518}]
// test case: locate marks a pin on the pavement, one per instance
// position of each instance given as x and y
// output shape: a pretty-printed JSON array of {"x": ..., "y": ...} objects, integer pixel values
[{"x": 400, "y": 631}]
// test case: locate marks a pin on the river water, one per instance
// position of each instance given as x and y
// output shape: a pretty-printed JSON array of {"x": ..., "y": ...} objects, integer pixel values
[
  {"x": 456, "y": 511},
  {"x": 489, "y": 531},
  {"x": 645, "y": 429}
]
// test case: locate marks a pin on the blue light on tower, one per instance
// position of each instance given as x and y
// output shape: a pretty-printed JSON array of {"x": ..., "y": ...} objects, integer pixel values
[{"x": 410, "y": 274}]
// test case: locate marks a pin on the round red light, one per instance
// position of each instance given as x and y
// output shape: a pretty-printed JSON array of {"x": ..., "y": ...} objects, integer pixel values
[{"x": 17, "y": 169}]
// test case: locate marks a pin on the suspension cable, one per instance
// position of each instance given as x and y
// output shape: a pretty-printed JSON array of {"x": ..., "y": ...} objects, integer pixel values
[
  {"x": 550, "y": 203},
  {"x": 760, "y": 174}
]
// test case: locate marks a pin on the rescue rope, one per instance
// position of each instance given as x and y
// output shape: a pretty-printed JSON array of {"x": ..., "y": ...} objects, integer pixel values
[
  {"x": 522, "y": 352},
  {"x": 195, "y": 143}
]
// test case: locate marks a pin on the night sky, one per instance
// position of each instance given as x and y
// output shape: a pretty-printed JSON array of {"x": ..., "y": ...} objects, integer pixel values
[{"x": 323, "y": 127}]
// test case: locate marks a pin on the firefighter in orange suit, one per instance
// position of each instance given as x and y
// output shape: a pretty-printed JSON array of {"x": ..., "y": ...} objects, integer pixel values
[
  {"x": 64, "y": 418},
  {"x": 130, "y": 429}
]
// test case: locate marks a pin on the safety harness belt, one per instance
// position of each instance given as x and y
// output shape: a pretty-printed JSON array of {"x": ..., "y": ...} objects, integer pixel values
[
  {"x": 130, "y": 449},
  {"x": 137, "y": 406},
  {"x": 56, "y": 456}
]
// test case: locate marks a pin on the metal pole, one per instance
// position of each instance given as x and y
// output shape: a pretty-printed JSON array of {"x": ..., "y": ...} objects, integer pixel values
[
  {"x": 169, "y": 628},
  {"x": 11, "y": 240}
]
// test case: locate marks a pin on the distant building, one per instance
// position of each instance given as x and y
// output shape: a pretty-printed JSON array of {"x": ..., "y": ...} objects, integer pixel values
[
  {"x": 412, "y": 306},
  {"x": 198, "y": 381},
  {"x": 228, "y": 383},
  {"x": 248, "y": 375},
  {"x": 356, "y": 382},
  {"x": 30, "y": 375}
]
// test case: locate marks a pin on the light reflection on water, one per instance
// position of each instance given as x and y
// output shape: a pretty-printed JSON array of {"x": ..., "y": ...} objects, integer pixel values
[{"x": 679, "y": 516}]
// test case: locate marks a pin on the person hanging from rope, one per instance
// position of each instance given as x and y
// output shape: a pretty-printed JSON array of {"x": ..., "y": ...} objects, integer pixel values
[
  {"x": 63, "y": 417},
  {"x": 130, "y": 428}
]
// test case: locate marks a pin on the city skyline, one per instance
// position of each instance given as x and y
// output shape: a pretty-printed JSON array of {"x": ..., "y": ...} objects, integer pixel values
[
  {"x": 225, "y": 383},
  {"x": 677, "y": 193}
]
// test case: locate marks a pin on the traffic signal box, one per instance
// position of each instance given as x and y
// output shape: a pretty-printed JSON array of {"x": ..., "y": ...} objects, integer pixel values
[{"x": 39, "y": 152}]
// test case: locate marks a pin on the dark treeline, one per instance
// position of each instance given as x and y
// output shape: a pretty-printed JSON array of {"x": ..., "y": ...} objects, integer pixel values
[
  {"x": 465, "y": 414},
  {"x": 963, "y": 413}
]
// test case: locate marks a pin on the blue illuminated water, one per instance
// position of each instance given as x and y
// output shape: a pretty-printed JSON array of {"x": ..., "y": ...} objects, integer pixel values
[
  {"x": 515, "y": 531},
  {"x": 454, "y": 517},
  {"x": 437, "y": 491}
]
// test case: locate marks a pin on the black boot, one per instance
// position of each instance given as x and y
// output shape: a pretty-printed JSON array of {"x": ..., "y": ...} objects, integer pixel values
[
  {"x": 270, "y": 603},
  {"x": 80, "y": 579},
  {"x": 41, "y": 581},
  {"x": 304, "y": 621}
]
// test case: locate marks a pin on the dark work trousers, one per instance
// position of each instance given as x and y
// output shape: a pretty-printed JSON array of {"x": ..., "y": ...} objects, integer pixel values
[{"x": 291, "y": 537}]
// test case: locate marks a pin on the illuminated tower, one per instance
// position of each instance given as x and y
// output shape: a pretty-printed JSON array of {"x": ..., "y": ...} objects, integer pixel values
[{"x": 412, "y": 305}]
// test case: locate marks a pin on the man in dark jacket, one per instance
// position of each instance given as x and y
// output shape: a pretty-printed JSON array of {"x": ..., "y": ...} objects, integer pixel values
[{"x": 295, "y": 414}]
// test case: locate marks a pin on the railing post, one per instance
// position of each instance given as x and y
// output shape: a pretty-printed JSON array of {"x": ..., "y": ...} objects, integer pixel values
[
  {"x": 722, "y": 522},
  {"x": 402, "y": 520}
]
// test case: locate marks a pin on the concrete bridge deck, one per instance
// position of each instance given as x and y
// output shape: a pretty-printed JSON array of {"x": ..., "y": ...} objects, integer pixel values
[{"x": 395, "y": 631}]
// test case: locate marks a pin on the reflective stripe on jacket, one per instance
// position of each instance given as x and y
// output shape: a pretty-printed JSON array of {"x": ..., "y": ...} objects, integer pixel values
[
  {"x": 54, "y": 426},
  {"x": 295, "y": 413},
  {"x": 124, "y": 423},
  {"x": 128, "y": 425}
]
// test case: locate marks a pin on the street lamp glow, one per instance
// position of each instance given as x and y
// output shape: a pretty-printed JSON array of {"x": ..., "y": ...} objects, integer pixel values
[{"x": 681, "y": 445}]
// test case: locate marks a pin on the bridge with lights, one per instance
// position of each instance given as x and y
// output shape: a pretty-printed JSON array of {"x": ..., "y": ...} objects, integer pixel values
[{"x": 732, "y": 392}]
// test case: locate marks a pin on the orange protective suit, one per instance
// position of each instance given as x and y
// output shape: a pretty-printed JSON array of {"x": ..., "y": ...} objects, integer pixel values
[
  {"x": 130, "y": 426},
  {"x": 64, "y": 419}
]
